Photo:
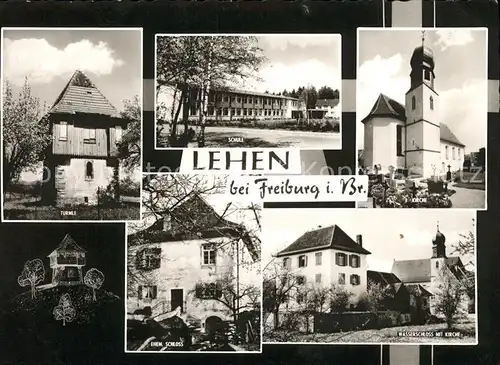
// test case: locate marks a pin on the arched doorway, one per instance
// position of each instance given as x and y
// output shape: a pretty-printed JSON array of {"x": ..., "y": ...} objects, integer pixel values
[{"x": 213, "y": 324}]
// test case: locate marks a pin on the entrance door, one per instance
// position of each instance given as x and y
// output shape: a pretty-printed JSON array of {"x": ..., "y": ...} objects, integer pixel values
[{"x": 177, "y": 299}]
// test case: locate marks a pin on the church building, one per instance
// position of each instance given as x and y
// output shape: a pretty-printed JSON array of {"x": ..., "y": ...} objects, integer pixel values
[
  {"x": 431, "y": 273},
  {"x": 412, "y": 137}
]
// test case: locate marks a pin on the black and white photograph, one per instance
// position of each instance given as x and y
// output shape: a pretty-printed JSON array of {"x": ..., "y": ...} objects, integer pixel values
[
  {"x": 61, "y": 284},
  {"x": 347, "y": 276},
  {"x": 422, "y": 117},
  {"x": 71, "y": 123},
  {"x": 261, "y": 90},
  {"x": 193, "y": 269}
]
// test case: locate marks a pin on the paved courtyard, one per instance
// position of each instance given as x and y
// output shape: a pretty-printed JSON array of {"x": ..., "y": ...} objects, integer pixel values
[{"x": 252, "y": 137}]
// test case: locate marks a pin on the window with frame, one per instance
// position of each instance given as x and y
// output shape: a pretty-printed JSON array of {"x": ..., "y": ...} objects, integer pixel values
[
  {"x": 301, "y": 297},
  {"x": 287, "y": 262},
  {"x": 354, "y": 261},
  {"x": 118, "y": 133},
  {"x": 319, "y": 257},
  {"x": 89, "y": 171},
  {"x": 399, "y": 140},
  {"x": 413, "y": 102},
  {"x": 208, "y": 290},
  {"x": 355, "y": 279},
  {"x": 209, "y": 254},
  {"x": 147, "y": 292},
  {"x": 148, "y": 258},
  {"x": 318, "y": 278},
  {"x": 446, "y": 152},
  {"x": 453, "y": 153},
  {"x": 340, "y": 259},
  {"x": 301, "y": 280},
  {"x": 341, "y": 278},
  {"x": 427, "y": 75},
  {"x": 431, "y": 102},
  {"x": 63, "y": 131},
  {"x": 89, "y": 135},
  {"x": 302, "y": 261},
  {"x": 437, "y": 264}
]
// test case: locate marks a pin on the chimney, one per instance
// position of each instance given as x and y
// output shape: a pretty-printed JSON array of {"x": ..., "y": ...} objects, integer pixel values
[
  {"x": 359, "y": 239},
  {"x": 167, "y": 223}
]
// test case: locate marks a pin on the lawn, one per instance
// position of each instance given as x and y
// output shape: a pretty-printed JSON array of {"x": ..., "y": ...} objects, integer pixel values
[
  {"x": 386, "y": 335},
  {"x": 28, "y": 207}
]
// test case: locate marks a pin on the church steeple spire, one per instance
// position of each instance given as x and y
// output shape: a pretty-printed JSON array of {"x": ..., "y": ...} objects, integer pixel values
[
  {"x": 422, "y": 65},
  {"x": 438, "y": 244}
]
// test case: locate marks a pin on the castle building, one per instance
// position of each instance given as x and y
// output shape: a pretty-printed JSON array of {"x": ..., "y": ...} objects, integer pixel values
[
  {"x": 66, "y": 262},
  {"x": 83, "y": 155},
  {"x": 412, "y": 137},
  {"x": 188, "y": 261},
  {"x": 327, "y": 256}
]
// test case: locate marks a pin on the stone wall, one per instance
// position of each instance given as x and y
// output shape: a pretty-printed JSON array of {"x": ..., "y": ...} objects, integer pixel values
[{"x": 72, "y": 186}]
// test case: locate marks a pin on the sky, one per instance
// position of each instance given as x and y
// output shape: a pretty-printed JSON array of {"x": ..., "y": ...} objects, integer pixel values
[
  {"x": 461, "y": 80},
  {"x": 110, "y": 58},
  {"x": 388, "y": 235},
  {"x": 299, "y": 60},
  {"x": 237, "y": 212},
  {"x": 293, "y": 61}
]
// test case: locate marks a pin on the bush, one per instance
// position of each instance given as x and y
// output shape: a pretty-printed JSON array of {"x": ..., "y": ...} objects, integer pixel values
[
  {"x": 340, "y": 300},
  {"x": 130, "y": 187},
  {"x": 107, "y": 197}
]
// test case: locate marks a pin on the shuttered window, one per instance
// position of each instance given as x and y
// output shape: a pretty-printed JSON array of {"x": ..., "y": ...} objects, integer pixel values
[
  {"x": 355, "y": 279},
  {"x": 63, "y": 131},
  {"x": 149, "y": 258},
  {"x": 354, "y": 261},
  {"x": 340, "y": 259},
  {"x": 302, "y": 261}
]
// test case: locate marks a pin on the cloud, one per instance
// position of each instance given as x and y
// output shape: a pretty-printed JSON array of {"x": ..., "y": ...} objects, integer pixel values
[
  {"x": 41, "y": 62},
  {"x": 453, "y": 37},
  {"x": 278, "y": 76},
  {"x": 283, "y": 42},
  {"x": 378, "y": 75},
  {"x": 465, "y": 111}
]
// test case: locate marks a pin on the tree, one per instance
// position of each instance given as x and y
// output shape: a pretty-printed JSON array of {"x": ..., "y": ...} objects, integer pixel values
[
  {"x": 374, "y": 296},
  {"x": 65, "y": 310},
  {"x": 204, "y": 64},
  {"x": 33, "y": 273},
  {"x": 279, "y": 285},
  {"x": 130, "y": 145},
  {"x": 481, "y": 158},
  {"x": 94, "y": 279},
  {"x": 309, "y": 96},
  {"x": 340, "y": 299},
  {"x": 26, "y": 132},
  {"x": 326, "y": 92},
  {"x": 466, "y": 247},
  {"x": 236, "y": 297},
  {"x": 448, "y": 298}
]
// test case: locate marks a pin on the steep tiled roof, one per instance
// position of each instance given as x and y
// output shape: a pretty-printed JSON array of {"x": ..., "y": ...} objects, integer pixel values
[
  {"x": 418, "y": 289},
  {"x": 384, "y": 278},
  {"x": 191, "y": 218},
  {"x": 80, "y": 95},
  {"x": 411, "y": 271},
  {"x": 387, "y": 107},
  {"x": 323, "y": 238},
  {"x": 68, "y": 244},
  {"x": 448, "y": 136}
]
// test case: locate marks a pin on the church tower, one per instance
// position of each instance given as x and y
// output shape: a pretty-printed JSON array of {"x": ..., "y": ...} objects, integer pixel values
[
  {"x": 438, "y": 259},
  {"x": 423, "y": 134}
]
